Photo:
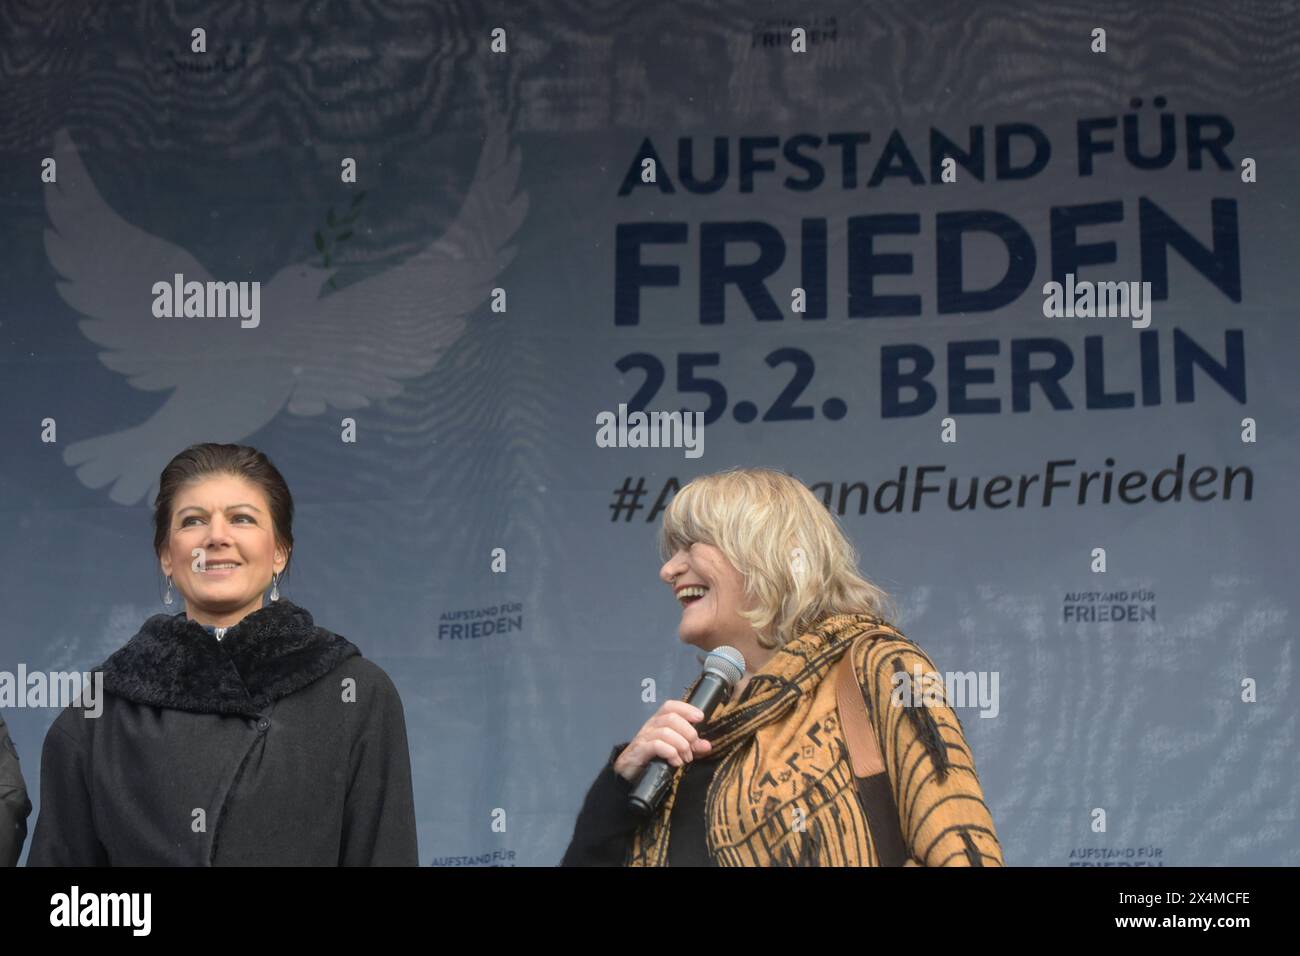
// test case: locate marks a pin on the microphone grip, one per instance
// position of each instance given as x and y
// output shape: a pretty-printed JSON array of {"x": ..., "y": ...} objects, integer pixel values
[{"x": 652, "y": 786}]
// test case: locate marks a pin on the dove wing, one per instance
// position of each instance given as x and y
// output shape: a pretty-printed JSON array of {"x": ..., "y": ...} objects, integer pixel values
[
  {"x": 354, "y": 346},
  {"x": 107, "y": 270}
]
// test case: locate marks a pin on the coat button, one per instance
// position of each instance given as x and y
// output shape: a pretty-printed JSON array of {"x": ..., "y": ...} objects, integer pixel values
[{"x": 262, "y": 725}]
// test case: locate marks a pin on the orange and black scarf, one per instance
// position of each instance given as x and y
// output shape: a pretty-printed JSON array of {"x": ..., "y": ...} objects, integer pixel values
[{"x": 784, "y": 793}]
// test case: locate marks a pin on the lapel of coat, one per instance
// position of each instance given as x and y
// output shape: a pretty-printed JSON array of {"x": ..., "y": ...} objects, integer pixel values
[{"x": 173, "y": 662}]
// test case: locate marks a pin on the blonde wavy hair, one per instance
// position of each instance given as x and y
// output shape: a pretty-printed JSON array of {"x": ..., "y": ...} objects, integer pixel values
[{"x": 797, "y": 563}]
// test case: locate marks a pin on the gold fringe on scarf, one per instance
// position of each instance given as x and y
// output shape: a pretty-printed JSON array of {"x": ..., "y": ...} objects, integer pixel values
[{"x": 784, "y": 793}]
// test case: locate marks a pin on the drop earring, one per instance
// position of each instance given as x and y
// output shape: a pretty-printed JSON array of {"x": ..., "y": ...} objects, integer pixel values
[
  {"x": 167, "y": 598},
  {"x": 275, "y": 587}
]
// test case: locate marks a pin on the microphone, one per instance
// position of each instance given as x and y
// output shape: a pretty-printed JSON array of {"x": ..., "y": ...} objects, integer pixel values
[{"x": 723, "y": 669}]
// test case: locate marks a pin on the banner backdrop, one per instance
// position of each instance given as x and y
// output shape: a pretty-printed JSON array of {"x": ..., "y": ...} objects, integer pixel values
[{"x": 831, "y": 229}]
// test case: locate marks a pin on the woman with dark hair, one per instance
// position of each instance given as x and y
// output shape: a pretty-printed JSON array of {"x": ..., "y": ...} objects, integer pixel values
[{"x": 234, "y": 732}]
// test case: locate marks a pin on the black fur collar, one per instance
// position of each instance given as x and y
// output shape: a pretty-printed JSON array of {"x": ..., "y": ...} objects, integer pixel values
[{"x": 173, "y": 662}]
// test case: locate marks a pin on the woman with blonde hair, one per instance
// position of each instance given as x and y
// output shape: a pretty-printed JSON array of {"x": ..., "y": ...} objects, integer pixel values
[{"x": 792, "y": 770}]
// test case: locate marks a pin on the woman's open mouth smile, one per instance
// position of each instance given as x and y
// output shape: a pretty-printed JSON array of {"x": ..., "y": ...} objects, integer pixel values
[{"x": 690, "y": 593}]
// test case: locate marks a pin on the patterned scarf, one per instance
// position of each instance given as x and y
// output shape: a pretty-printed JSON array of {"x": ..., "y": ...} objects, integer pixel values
[{"x": 783, "y": 793}]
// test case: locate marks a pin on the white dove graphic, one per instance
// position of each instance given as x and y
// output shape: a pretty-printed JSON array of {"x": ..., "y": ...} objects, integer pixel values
[{"x": 344, "y": 350}]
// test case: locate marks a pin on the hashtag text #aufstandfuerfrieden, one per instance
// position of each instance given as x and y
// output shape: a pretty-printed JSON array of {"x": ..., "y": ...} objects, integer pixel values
[{"x": 1061, "y": 482}]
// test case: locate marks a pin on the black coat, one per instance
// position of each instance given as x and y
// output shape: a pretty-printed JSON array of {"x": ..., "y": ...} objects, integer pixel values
[
  {"x": 606, "y": 825},
  {"x": 242, "y": 752},
  {"x": 14, "y": 805}
]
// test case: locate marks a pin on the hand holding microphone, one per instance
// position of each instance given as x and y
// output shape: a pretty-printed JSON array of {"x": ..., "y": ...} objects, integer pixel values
[
  {"x": 667, "y": 735},
  {"x": 668, "y": 740}
]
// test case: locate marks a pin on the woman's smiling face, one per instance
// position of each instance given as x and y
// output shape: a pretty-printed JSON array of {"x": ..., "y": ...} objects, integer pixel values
[
  {"x": 227, "y": 520},
  {"x": 712, "y": 594}
]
